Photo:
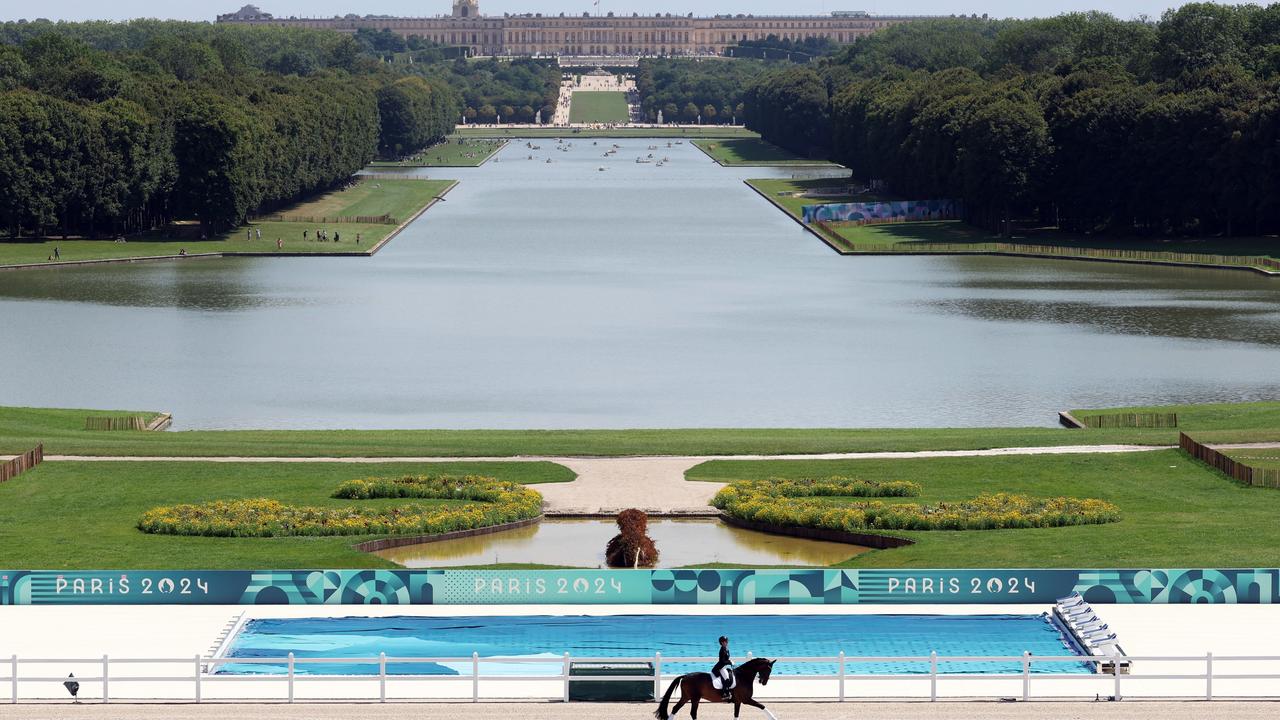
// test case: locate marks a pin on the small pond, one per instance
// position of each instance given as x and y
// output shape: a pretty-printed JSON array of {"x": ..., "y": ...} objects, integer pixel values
[{"x": 580, "y": 543}]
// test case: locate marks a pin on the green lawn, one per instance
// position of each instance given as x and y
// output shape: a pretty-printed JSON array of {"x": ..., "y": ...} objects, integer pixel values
[
  {"x": 372, "y": 197},
  {"x": 83, "y": 515},
  {"x": 1176, "y": 512},
  {"x": 457, "y": 151},
  {"x": 705, "y": 131},
  {"x": 752, "y": 151},
  {"x": 599, "y": 107},
  {"x": 788, "y": 193},
  {"x": 62, "y": 432}
]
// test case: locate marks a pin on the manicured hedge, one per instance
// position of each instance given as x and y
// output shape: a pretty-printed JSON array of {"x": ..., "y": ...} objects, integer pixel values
[
  {"x": 808, "y": 504},
  {"x": 493, "y": 503}
]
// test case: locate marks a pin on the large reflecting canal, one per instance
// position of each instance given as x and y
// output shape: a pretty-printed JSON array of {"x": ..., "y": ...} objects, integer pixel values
[{"x": 558, "y": 295}]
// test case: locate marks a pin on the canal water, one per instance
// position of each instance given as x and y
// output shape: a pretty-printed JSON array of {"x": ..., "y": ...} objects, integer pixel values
[
  {"x": 581, "y": 543},
  {"x": 559, "y": 295}
]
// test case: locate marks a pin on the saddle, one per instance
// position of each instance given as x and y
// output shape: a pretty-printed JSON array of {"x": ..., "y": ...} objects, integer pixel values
[{"x": 718, "y": 682}]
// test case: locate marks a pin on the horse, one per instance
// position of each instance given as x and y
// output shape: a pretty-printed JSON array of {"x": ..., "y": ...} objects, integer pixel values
[{"x": 696, "y": 687}]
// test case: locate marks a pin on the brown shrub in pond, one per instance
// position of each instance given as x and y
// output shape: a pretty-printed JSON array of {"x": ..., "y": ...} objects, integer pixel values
[{"x": 632, "y": 547}]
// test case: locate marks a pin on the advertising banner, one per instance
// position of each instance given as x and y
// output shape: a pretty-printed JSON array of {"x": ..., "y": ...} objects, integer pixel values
[{"x": 635, "y": 587}]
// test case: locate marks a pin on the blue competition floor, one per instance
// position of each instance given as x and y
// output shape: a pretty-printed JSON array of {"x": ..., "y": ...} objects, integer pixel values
[{"x": 642, "y": 635}]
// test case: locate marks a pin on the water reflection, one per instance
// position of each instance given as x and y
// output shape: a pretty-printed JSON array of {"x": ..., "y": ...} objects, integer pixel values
[
  {"x": 555, "y": 295},
  {"x": 580, "y": 543}
]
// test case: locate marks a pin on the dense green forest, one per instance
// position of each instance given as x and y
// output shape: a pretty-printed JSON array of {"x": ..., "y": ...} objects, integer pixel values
[
  {"x": 515, "y": 89},
  {"x": 685, "y": 89},
  {"x": 115, "y": 128},
  {"x": 1080, "y": 121}
]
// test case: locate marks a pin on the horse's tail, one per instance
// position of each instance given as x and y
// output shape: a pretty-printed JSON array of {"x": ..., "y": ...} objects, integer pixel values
[{"x": 661, "y": 712}]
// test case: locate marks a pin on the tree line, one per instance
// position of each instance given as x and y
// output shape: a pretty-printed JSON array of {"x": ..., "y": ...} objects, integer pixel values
[
  {"x": 109, "y": 128},
  {"x": 685, "y": 89},
  {"x": 1080, "y": 121}
]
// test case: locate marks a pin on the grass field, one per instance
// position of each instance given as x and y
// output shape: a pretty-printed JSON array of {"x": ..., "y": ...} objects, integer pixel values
[
  {"x": 398, "y": 198},
  {"x": 784, "y": 192},
  {"x": 705, "y": 131},
  {"x": 752, "y": 151},
  {"x": 1176, "y": 512},
  {"x": 457, "y": 151},
  {"x": 83, "y": 515},
  {"x": 63, "y": 432},
  {"x": 599, "y": 107}
]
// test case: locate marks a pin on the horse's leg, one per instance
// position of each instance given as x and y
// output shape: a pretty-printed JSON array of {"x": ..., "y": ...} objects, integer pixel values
[
  {"x": 684, "y": 698},
  {"x": 765, "y": 710},
  {"x": 693, "y": 707},
  {"x": 737, "y": 708}
]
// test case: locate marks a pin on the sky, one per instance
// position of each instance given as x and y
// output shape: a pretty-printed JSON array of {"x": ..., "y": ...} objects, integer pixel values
[{"x": 208, "y": 10}]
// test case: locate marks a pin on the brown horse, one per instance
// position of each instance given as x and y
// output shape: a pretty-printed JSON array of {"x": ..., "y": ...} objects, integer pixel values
[{"x": 697, "y": 687}]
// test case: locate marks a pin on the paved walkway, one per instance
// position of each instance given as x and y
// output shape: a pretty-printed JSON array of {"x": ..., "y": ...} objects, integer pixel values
[
  {"x": 949, "y": 710},
  {"x": 654, "y": 484}
]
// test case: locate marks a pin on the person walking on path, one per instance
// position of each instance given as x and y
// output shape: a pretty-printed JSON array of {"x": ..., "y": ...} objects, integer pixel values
[
  {"x": 279, "y": 244},
  {"x": 259, "y": 233},
  {"x": 56, "y": 254}
]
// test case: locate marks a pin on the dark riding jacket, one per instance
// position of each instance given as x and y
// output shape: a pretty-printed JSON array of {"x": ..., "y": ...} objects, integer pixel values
[{"x": 724, "y": 660}]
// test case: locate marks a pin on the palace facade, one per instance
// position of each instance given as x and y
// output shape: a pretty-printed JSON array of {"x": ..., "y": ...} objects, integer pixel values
[{"x": 538, "y": 34}]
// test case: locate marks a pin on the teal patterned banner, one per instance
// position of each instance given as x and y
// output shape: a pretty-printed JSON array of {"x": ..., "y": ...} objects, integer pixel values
[{"x": 635, "y": 587}]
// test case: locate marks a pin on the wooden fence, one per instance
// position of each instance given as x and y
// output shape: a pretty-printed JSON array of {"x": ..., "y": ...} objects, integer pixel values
[
  {"x": 1062, "y": 251},
  {"x": 128, "y": 422},
  {"x": 1130, "y": 420},
  {"x": 323, "y": 220},
  {"x": 1234, "y": 469},
  {"x": 24, "y": 462}
]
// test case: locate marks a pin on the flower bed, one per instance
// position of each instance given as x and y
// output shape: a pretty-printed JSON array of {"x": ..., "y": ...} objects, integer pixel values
[
  {"x": 803, "y": 504},
  {"x": 493, "y": 502}
]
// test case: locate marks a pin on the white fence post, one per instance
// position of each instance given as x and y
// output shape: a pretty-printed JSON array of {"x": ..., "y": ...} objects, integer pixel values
[
  {"x": 841, "y": 676},
  {"x": 566, "y": 677},
  {"x": 106, "y": 679},
  {"x": 197, "y": 678},
  {"x": 382, "y": 677},
  {"x": 1115, "y": 670},
  {"x": 657, "y": 676},
  {"x": 1026, "y": 675},
  {"x": 290, "y": 677},
  {"x": 13, "y": 679},
  {"x": 933, "y": 676},
  {"x": 1208, "y": 676},
  {"x": 475, "y": 677}
]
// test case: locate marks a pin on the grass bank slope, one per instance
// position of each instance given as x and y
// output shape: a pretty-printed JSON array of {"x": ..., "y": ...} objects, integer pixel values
[
  {"x": 83, "y": 515},
  {"x": 400, "y": 199},
  {"x": 599, "y": 107},
  {"x": 1174, "y": 512}
]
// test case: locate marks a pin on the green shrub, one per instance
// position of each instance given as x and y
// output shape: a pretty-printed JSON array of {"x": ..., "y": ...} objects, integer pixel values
[
  {"x": 491, "y": 502},
  {"x": 806, "y": 503}
]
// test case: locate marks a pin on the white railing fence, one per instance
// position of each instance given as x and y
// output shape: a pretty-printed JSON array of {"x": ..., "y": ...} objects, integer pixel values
[{"x": 199, "y": 671}]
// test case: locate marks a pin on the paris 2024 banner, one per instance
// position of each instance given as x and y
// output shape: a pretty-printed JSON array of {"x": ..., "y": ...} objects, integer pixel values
[{"x": 636, "y": 587}]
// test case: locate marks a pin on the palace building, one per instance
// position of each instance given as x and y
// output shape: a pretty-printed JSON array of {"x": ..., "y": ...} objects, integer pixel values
[{"x": 538, "y": 34}]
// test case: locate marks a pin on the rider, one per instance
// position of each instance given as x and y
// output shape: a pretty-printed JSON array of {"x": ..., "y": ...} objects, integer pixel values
[{"x": 724, "y": 670}]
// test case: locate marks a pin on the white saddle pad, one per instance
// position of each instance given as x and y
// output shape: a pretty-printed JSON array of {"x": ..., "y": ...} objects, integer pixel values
[{"x": 718, "y": 683}]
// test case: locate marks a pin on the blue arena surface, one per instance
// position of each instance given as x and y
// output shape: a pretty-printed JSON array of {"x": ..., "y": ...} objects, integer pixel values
[{"x": 634, "y": 636}]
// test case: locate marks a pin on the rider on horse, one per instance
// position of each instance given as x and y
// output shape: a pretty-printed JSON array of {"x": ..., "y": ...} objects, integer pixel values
[{"x": 724, "y": 670}]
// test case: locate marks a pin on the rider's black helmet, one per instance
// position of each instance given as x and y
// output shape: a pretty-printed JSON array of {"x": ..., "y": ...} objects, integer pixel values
[{"x": 724, "y": 639}]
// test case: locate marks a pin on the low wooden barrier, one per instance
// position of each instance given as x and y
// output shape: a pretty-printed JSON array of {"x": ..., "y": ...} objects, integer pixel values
[
  {"x": 1057, "y": 251},
  {"x": 24, "y": 462},
  {"x": 1234, "y": 469},
  {"x": 323, "y": 220},
  {"x": 128, "y": 422},
  {"x": 1129, "y": 420}
]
